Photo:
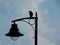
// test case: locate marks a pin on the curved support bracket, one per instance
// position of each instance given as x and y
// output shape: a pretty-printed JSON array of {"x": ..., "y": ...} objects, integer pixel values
[{"x": 29, "y": 24}]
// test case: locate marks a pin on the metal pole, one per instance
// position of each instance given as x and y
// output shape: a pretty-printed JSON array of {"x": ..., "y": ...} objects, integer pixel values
[{"x": 36, "y": 30}]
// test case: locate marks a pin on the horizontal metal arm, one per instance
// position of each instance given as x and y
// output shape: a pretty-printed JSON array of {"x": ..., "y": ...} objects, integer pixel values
[{"x": 23, "y": 19}]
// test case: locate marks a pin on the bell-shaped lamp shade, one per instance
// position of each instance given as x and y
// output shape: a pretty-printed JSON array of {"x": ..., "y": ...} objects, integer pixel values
[{"x": 14, "y": 32}]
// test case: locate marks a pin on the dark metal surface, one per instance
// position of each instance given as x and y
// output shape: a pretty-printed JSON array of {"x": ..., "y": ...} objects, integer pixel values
[{"x": 23, "y": 19}]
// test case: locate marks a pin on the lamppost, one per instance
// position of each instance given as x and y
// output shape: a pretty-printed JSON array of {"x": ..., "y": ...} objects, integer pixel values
[{"x": 14, "y": 31}]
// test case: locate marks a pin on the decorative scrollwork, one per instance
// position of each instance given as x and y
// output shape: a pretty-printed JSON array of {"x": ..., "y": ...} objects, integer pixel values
[{"x": 29, "y": 24}]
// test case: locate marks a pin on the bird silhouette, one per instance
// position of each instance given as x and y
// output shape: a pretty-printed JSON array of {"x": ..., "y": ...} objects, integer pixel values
[{"x": 31, "y": 13}]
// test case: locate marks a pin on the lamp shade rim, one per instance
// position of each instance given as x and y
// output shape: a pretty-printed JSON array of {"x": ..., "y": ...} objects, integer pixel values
[{"x": 14, "y": 35}]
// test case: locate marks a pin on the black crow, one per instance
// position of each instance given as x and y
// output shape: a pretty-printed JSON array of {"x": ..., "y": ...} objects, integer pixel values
[{"x": 31, "y": 13}]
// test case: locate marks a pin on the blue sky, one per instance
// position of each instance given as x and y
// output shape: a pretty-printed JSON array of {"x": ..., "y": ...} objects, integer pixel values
[
  {"x": 53, "y": 19},
  {"x": 49, "y": 23},
  {"x": 53, "y": 14}
]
